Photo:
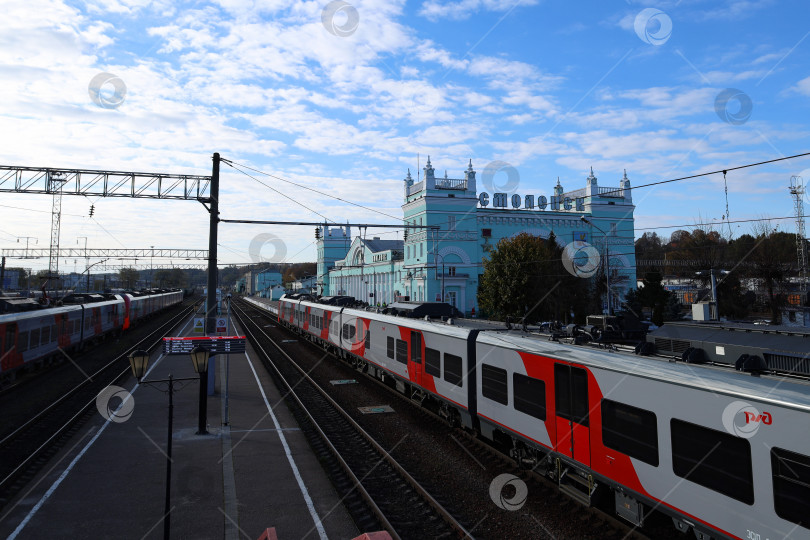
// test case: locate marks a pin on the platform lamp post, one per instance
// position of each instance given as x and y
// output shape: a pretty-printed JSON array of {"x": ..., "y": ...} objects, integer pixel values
[
  {"x": 607, "y": 262},
  {"x": 138, "y": 361},
  {"x": 199, "y": 357}
]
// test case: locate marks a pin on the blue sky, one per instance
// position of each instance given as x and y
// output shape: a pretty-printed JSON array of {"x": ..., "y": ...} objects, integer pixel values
[{"x": 343, "y": 96}]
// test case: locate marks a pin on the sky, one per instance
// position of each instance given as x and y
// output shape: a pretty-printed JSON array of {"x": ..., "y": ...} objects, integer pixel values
[{"x": 345, "y": 97}]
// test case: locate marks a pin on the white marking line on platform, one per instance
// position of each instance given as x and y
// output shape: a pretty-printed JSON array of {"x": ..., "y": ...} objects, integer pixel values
[
  {"x": 58, "y": 481},
  {"x": 301, "y": 486},
  {"x": 265, "y": 429}
]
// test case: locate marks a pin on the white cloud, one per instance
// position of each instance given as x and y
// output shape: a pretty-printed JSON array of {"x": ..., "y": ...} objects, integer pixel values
[
  {"x": 803, "y": 87},
  {"x": 463, "y": 9}
]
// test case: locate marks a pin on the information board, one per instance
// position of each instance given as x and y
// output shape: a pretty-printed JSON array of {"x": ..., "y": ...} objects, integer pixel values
[{"x": 213, "y": 344}]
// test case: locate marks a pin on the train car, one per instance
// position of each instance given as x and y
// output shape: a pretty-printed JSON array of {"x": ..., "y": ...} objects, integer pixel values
[
  {"x": 725, "y": 454},
  {"x": 27, "y": 338}
]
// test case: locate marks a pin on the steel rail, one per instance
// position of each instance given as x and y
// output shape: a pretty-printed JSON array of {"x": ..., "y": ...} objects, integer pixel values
[
  {"x": 448, "y": 518},
  {"x": 67, "y": 425}
]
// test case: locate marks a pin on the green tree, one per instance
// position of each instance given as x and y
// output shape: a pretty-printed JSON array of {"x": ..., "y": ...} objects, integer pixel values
[
  {"x": 654, "y": 296},
  {"x": 525, "y": 277},
  {"x": 128, "y": 277},
  {"x": 170, "y": 277},
  {"x": 732, "y": 301},
  {"x": 632, "y": 304}
]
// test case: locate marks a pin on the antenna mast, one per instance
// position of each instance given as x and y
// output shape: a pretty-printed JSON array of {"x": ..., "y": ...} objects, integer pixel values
[{"x": 797, "y": 191}]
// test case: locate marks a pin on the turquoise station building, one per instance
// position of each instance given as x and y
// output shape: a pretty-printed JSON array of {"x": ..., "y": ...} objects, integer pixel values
[{"x": 456, "y": 226}]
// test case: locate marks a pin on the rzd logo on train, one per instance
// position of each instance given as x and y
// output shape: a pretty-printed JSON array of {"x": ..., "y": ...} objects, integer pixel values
[{"x": 765, "y": 418}]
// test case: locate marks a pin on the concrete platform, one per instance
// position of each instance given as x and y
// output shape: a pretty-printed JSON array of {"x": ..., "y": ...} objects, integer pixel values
[{"x": 242, "y": 478}]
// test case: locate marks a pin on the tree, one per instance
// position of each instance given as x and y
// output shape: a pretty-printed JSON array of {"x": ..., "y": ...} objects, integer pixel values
[
  {"x": 129, "y": 277},
  {"x": 654, "y": 296},
  {"x": 170, "y": 277},
  {"x": 732, "y": 301},
  {"x": 524, "y": 277},
  {"x": 632, "y": 304},
  {"x": 649, "y": 247}
]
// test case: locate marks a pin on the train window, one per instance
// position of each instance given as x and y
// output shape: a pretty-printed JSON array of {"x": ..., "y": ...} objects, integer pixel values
[
  {"x": 452, "y": 369},
  {"x": 433, "y": 362},
  {"x": 714, "y": 459},
  {"x": 53, "y": 333},
  {"x": 345, "y": 331},
  {"x": 22, "y": 341},
  {"x": 530, "y": 395},
  {"x": 402, "y": 351},
  {"x": 46, "y": 335},
  {"x": 791, "y": 486},
  {"x": 493, "y": 384},
  {"x": 630, "y": 430},
  {"x": 390, "y": 347},
  {"x": 35, "y": 338},
  {"x": 368, "y": 339},
  {"x": 11, "y": 330}
]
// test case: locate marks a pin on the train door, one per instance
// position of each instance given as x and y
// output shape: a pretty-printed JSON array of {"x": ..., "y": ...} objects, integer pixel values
[
  {"x": 571, "y": 403},
  {"x": 415, "y": 367}
]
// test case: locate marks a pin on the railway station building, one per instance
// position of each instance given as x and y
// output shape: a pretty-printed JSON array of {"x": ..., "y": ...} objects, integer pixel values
[{"x": 462, "y": 225}]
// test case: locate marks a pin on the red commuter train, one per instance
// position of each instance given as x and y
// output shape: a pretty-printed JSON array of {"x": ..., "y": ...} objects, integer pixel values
[{"x": 725, "y": 454}]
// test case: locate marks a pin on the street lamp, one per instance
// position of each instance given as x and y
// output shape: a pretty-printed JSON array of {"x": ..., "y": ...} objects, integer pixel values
[
  {"x": 607, "y": 262},
  {"x": 138, "y": 361},
  {"x": 199, "y": 358}
]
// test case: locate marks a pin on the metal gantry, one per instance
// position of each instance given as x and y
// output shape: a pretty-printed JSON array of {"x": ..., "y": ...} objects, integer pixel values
[
  {"x": 96, "y": 183},
  {"x": 91, "y": 253}
]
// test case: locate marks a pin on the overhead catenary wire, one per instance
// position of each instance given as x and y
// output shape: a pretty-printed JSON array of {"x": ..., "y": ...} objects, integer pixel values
[
  {"x": 302, "y": 205},
  {"x": 683, "y": 178},
  {"x": 235, "y": 165}
]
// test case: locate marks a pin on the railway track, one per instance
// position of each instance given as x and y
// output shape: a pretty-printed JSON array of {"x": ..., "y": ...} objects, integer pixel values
[
  {"x": 382, "y": 493},
  {"x": 557, "y": 516},
  {"x": 29, "y": 446}
]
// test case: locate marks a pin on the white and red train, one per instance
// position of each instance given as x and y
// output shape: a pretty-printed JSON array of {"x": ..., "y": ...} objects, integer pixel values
[
  {"x": 29, "y": 337},
  {"x": 724, "y": 454}
]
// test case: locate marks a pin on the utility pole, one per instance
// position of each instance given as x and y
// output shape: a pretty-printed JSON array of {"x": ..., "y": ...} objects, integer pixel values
[{"x": 213, "y": 211}]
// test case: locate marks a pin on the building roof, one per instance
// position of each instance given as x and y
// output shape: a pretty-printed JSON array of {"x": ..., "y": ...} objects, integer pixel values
[{"x": 377, "y": 245}]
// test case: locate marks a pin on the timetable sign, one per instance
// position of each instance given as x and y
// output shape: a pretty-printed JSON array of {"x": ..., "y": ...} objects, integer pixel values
[{"x": 213, "y": 344}]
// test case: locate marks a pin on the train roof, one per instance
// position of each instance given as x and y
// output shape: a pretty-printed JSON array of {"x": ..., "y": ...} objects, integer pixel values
[{"x": 12, "y": 317}]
